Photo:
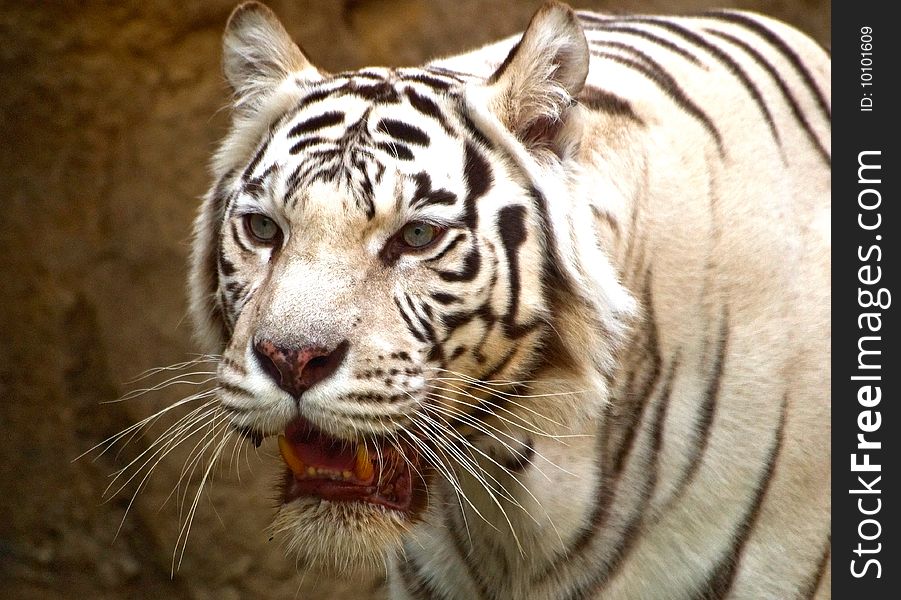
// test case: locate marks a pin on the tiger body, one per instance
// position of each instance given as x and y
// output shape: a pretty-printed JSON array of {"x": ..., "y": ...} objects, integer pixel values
[{"x": 631, "y": 294}]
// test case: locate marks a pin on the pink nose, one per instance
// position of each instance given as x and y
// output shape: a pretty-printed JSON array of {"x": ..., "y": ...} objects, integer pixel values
[{"x": 296, "y": 370}]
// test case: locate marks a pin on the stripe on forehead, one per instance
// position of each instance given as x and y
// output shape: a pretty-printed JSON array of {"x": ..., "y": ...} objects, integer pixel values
[{"x": 346, "y": 129}]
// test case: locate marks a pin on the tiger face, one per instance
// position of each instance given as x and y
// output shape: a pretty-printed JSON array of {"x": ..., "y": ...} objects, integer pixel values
[{"x": 380, "y": 267}]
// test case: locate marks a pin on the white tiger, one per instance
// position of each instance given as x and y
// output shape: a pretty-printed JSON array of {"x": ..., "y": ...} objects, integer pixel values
[{"x": 548, "y": 320}]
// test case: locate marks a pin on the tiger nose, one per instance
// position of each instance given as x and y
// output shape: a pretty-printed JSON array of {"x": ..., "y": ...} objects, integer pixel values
[{"x": 296, "y": 370}]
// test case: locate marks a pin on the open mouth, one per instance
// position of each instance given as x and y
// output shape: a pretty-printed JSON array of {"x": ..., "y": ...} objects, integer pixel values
[{"x": 339, "y": 470}]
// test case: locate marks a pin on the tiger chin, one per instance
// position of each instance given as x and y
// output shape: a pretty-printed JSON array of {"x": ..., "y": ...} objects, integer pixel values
[{"x": 547, "y": 319}]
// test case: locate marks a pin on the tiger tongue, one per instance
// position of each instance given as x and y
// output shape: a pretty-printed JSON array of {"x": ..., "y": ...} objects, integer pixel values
[
  {"x": 326, "y": 454},
  {"x": 306, "y": 449}
]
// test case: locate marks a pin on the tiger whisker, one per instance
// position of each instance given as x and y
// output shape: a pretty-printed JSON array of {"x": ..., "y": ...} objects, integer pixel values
[
  {"x": 485, "y": 485},
  {"x": 507, "y": 494},
  {"x": 177, "y": 380},
  {"x": 492, "y": 493},
  {"x": 479, "y": 405},
  {"x": 498, "y": 382},
  {"x": 161, "y": 453},
  {"x": 525, "y": 488},
  {"x": 194, "y": 456},
  {"x": 186, "y": 529},
  {"x": 439, "y": 465},
  {"x": 154, "y": 418},
  {"x": 203, "y": 358},
  {"x": 160, "y": 449},
  {"x": 525, "y": 425},
  {"x": 507, "y": 398},
  {"x": 145, "y": 422},
  {"x": 192, "y": 461},
  {"x": 505, "y": 385},
  {"x": 493, "y": 432},
  {"x": 171, "y": 433}
]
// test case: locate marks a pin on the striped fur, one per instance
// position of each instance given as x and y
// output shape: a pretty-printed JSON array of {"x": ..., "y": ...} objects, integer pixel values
[{"x": 613, "y": 362}]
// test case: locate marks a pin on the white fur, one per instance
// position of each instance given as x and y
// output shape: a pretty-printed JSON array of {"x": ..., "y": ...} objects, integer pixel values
[{"x": 657, "y": 234}]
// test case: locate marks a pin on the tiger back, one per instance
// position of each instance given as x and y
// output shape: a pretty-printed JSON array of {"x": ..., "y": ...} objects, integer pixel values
[{"x": 549, "y": 319}]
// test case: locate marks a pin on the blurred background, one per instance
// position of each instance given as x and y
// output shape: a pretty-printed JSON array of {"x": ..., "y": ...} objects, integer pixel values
[{"x": 109, "y": 112}]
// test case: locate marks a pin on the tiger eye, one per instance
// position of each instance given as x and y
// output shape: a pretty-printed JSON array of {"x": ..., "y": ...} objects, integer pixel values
[
  {"x": 262, "y": 228},
  {"x": 418, "y": 234}
]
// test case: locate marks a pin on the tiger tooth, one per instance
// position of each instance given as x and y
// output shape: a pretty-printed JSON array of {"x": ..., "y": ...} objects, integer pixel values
[
  {"x": 290, "y": 456},
  {"x": 363, "y": 464}
]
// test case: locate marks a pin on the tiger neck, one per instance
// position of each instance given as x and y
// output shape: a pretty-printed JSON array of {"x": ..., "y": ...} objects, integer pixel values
[{"x": 505, "y": 532}]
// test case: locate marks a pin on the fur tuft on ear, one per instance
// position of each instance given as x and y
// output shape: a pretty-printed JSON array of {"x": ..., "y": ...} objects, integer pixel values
[
  {"x": 258, "y": 55},
  {"x": 533, "y": 88}
]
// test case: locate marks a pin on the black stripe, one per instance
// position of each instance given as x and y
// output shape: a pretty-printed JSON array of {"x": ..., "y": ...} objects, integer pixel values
[
  {"x": 426, "y": 196},
  {"x": 236, "y": 390},
  {"x": 256, "y": 158},
  {"x": 403, "y": 313},
  {"x": 314, "y": 96},
  {"x": 502, "y": 68},
  {"x": 218, "y": 202},
  {"x": 465, "y": 556},
  {"x": 724, "y": 58},
  {"x": 471, "y": 264},
  {"x": 786, "y": 93},
  {"x": 614, "y": 453},
  {"x": 427, "y": 328},
  {"x": 601, "y": 100},
  {"x": 326, "y": 119},
  {"x": 236, "y": 289},
  {"x": 398, "y": 151},
  {"x": 294, "y": 181},
  {"x": 627, "y": 541},
  {"x": 723, "y": 576},
  {"x": 637, "y": 401},
  {"x": 474, "y": 131},
  {"x": 441, "y": 196},
  {"x": 432, "y": 82},
  {"x": 479, "y": 179},
  {"x": 383, "y": 93},
  {"x": 707, "y": 410},
  {"x": 403, "y": 132},
  {"x": 518, "y": 460},
  {"x": 307, "y": 142},
  {"x": 783, "y": 48},
  {"x": 511, "y": 226},
  {"x": 660, "y": 41},
  {"x": 362, "y": 74},
  {"x": 429, "y": 108},
  {"x": 453, "y": 244},
  {"x": 415, "y": 583},
  {"x": 493, "y": 371},
  {"x": 816, "y": 576},
  {"x": 665, "y": 82},
  {"x": 236, "y": 237},
  {"x": 231, "y": 364},
  {"x": 456, "y": 320},
  {"x": 594, "y": 18},
  {"x": 456, "y": 75},
  {"x": 478, "y": 174},
  {"x": 226, "y": 267}
]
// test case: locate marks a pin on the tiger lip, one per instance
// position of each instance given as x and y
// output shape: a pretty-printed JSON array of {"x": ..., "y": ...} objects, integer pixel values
[{"x": 341, "y": 471}]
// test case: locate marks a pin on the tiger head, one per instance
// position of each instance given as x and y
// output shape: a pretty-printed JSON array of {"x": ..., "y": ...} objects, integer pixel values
[{"x": 387, "y": 259}]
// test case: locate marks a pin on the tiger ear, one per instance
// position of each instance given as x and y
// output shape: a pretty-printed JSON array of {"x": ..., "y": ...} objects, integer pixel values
[
  {"x": 258, "y": 55},
  {"x": 532, "y": 89}
]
